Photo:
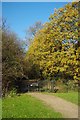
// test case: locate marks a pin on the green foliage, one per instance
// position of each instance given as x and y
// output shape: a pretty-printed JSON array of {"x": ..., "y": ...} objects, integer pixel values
[
  {"x": 25, "y": 106},
  {"x": 13, "y": 92},
  {"x": 12, "y": 60}
]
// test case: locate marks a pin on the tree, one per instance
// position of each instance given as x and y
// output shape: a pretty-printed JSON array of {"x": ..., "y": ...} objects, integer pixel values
[
  {"x": 55, "y": 49},
  {"x": 32, "y": 31},
  {"x": 35, "y": 28},
  {"x": 12, "y": 60}
]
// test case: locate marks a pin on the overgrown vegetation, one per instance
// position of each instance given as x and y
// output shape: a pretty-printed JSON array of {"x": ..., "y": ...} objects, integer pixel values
[{"x": 12, "y": 60}]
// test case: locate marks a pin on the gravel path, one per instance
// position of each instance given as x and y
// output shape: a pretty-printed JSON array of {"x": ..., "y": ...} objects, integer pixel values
[{"x": 67, "y": 109}]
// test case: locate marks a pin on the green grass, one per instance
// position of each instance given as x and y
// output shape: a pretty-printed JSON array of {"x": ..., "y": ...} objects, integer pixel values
[
  {"x": 0, "y": 108},
  {"x": 70, "y": 96},
  {"x": 25, "y": 106}
]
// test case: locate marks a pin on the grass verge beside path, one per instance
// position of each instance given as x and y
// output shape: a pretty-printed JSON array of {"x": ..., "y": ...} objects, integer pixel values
[
  {"x": 26, "y": 106},
  {"x": 0, "y": 108},
  {"x": 70, "y": 96}
]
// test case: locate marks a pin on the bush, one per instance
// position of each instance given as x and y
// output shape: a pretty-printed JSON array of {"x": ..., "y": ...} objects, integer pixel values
[{"x": 12, "y": 93}]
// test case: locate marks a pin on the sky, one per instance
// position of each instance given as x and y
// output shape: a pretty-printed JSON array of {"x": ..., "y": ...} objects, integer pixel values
[
  {"x": 21, "y": 15},
  {"x": 0, "y": 9}
]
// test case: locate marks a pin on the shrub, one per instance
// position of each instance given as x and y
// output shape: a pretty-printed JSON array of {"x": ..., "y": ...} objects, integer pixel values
[{"x": 12, "y": 93}]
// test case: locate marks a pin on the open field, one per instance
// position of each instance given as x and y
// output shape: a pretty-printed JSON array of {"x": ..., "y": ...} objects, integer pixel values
[{"x": 25, "y": 106}]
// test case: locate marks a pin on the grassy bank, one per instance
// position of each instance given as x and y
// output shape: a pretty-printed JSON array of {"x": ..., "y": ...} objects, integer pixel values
[
  {"x": 70, "y": 96},
  {"x": 0, "y": 108},
  {"x": 25, "y": 106}
]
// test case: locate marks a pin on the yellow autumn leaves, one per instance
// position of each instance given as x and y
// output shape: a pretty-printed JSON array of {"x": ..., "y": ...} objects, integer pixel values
[{"x": 54, "y": 46}]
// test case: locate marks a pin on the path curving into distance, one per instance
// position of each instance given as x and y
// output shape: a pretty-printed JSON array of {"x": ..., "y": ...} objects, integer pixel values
[{"x": 67, "y": 109}]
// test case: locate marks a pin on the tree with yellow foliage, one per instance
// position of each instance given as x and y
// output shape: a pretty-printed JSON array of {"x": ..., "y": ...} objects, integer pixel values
[{"x": 55, "y": 48}]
